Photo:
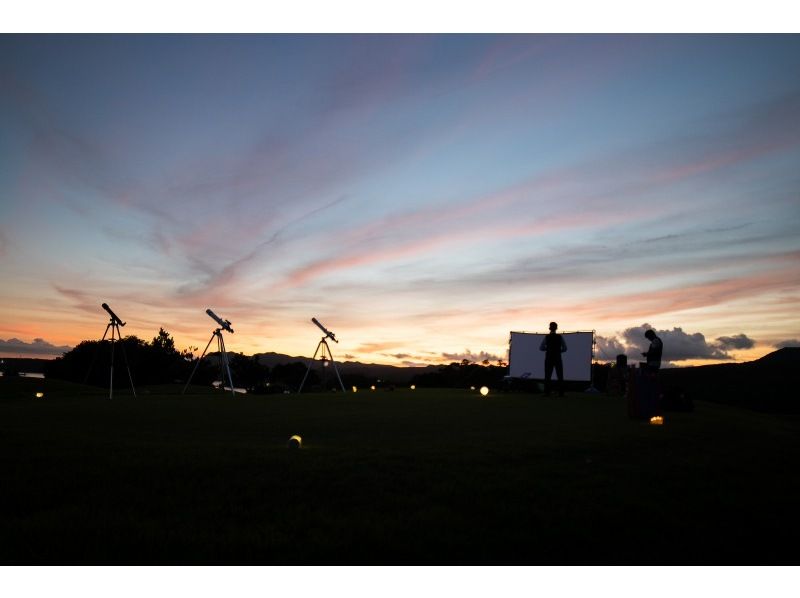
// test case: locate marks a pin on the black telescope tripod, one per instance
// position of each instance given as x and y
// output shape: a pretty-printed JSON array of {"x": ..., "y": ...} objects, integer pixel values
[
  {"x": 113, "y": 325},
  {"x": 325, "y": 356},
  {"x": 224, "y": 364}
]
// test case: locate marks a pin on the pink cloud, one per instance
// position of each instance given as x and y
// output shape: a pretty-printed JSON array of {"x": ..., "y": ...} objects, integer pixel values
[
  {"x": 635, "y": 306},
  {"x": 723, "y": 158}
]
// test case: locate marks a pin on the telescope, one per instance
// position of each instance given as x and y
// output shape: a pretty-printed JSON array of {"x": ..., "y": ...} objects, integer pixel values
[
  {"x": 326, "y": 356},
  {"x": 114, "y": 318},
  {"x": 226, "y": 324},
  {"x": 224, "y": 364},
  {"x": 327, "y": 332}
]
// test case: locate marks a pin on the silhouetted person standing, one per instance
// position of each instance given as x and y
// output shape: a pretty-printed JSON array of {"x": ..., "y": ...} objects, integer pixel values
[
  {"x": 553, "y": 345},
  {"x": 653, "y": 353}
]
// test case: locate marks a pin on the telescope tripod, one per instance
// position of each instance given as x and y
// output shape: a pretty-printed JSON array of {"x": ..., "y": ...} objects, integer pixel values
[
  {"x": 113, "y": 325},
  {"x": 224, "y": 364},
  {"x": 325, "y": 355}
]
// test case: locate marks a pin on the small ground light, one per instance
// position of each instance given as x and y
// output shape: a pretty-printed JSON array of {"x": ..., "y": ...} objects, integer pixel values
[
  {"x": 413, "y": 387},
  {"x": 472, "y": 388},
  {"x": 355, "y": 389},
  {"x": 372, "y": 387},
  {"x": 39, "y": 395},
  {"x": 295, "y": 442},
  {"x": 657, "y": 420},
  {"x": 484, "y": 390}
]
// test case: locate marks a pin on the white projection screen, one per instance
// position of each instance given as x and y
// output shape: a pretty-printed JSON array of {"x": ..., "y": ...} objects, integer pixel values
[{"x": 525, "y": 360}]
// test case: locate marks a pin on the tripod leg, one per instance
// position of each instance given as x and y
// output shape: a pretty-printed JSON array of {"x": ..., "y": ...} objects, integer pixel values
[
  {"x": 127, "y": 365},
  {"x": 198, "y": 363},
  {"x": 324, "y": 357},
  {"x": 336, "y": 369},
  {"x": 91, "y": 365},
  {"x": 111, "y": 379},
  {"x": 310, "y": 363},
  {"x": 224, "y": 357}
]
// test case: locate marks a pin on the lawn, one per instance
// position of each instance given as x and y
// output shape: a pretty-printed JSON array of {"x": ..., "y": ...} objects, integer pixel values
[{"x": 388, "y": 477}]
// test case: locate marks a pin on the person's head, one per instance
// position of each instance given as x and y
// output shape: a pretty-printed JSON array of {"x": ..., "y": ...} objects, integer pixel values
[
  {"x": 650, "y": 335},
  {"x": 553, "y": 326}
]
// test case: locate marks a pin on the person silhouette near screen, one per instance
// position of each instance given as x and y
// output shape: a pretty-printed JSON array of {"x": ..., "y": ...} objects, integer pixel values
[
  {"x": 553, "y": 345},
  {"x": 653, "y": 353}
]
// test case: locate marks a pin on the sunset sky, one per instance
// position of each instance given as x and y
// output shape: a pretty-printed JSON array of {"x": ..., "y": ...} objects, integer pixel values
[{"x": 421, "y": 195}]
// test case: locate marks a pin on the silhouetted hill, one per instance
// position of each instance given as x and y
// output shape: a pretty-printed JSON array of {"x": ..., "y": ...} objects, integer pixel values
[
  {"x": 376, "y": 371},
  {"x": 781, "y": 358},
  {"x": 766, "y": 384}
]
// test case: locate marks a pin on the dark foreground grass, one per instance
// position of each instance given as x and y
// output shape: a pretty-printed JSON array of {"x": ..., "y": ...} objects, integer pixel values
[{"x": 403, "y": 477}]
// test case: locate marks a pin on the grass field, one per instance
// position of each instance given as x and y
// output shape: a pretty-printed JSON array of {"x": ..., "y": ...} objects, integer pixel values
[{"x": 403, "y": 477}]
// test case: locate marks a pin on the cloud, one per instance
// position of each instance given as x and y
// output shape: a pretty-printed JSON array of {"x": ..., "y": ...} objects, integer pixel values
[
  {"x": 375, "y": 347},
  {"x": 609, "y": 347},
  {"x": 415, "y": 364},
  {"x": 788, "y": 343},
  {"x": 470, "y": 356},
  {"x": 679, "y": 345},
  {"x": 685, "y": 297},
  {"x": 38, "y": 346},
  {"x": 738, "y": 341},
  {"x": 420, "y": 359},
  {"x": 429, "y": 230}
]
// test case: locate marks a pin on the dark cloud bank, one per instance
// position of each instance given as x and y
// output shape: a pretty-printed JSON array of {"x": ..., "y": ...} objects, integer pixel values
[
  {"x": 678, "y": 344},
  {"x": 38, "y": 347},
  {"x": 789, "y": 343}
]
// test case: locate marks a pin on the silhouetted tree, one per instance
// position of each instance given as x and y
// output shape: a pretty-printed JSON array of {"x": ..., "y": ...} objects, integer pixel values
[
  {"x": 164, "y": 342},
  {"x": 154, "y": 363},
  {"x": 90, "y": 361},
  {"x": 462, "y": 374},
  {"x": 247, "y": 372},
  {"x": 164, "y": 362},
  {"x": 288, "y": 376}
]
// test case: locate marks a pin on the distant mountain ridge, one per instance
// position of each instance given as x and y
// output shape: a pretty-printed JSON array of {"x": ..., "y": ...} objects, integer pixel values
[{"x": 391, "y": 373}]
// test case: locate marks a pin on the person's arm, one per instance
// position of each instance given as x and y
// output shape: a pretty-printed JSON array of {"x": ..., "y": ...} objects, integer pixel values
[
  {"x": 563, "y": 345},
  {"x": 543, "y": 346}
]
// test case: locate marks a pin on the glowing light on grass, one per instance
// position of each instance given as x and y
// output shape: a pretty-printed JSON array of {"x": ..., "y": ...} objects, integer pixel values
[
  {"x": 656, "y": 420},
  {"x": 472, "y": 388},
  {"x": 355, "y": 389},
  {"x": 413, "y": 387},
  {"x": 484, "y": 390},
  {"x": 295, "y": 442},
  {"x": 39, "y": 395},
  {"x": 372, "y": 387}
]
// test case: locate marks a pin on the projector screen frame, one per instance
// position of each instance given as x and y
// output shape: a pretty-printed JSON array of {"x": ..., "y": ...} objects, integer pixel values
[{"x": 577, "y": 365}]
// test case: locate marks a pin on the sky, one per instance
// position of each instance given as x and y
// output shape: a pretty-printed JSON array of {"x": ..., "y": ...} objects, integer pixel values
[{"x": 420, "y": 195}]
